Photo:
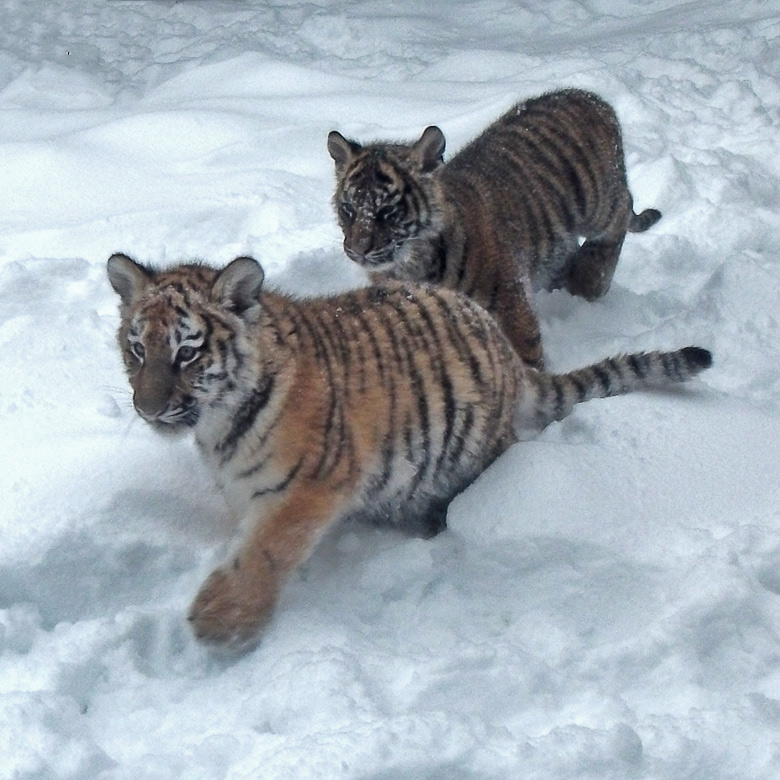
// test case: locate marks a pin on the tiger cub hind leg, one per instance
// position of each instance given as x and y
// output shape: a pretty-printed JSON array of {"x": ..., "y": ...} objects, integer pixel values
[
  {"x": 426, "y": 521},
  {"x": 591, "y": 268}
]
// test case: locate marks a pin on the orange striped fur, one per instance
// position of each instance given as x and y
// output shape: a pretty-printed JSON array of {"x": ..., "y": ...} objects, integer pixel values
[{"x": 383, "y": 403}]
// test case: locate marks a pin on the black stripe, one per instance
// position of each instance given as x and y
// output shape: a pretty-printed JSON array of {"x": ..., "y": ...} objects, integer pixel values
[
  {"x": 434, "y": 349},
  {"x": 495, "y": 294},
  {"x": 696, "y": 358},
  {"x": 438, "y": 267},
  {"x": 580, "y": 387},
  {"x": 560, "y": 399},
  {"x": 417, "y": 199},
  {"x": 463, "y": 266},
  {"x": 388, "y": 443},
  {"x": 335, "y": 343},
  {"x": 617, "y": 371},
  {"x": 419, "y": 393},
  {"x": 423, "y": 413},
  {"x": 575, "y": 163},
  {"x": 386, "y": 469},
  {"x": 333, "y": 422},
  {"x": 408, "y": 437},
  {"x": 671, "y": 364},
  {"x": 245, "y": 416},
  {"x": 639, "y": 364},
  {"x": 455, "y": 337},
  {"x": 283, "y": 483},
  {"x": 589, "y": 139},
  {"x": 252, "y": 470},
  {"x": 604, "y": 379},
  {"x": 550, "y": 172},
  {"x": 463, "y": 435},
  {"x": 376, "y": 352}
]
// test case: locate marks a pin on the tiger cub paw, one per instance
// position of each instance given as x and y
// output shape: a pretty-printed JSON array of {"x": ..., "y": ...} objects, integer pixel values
[{"x": 233, "y": 605}]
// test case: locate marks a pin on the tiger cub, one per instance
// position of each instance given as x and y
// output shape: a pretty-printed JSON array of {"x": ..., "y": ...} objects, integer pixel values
[
  {"x": 538, "y": 201},
  {"x": 383, "y": 403}
]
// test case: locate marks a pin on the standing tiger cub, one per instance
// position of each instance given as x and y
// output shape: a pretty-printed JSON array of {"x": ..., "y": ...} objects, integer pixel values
[
  {"x": 538, "y": 201},
  {"x": 382, "y": 403}
]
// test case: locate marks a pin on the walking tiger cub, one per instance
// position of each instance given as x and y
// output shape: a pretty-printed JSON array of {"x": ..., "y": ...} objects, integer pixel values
[
  {"x": 382, "y": 403},
  {"x": 506, "y": 214}
]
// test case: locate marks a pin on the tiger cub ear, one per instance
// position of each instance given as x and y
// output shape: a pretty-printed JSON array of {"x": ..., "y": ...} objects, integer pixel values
[
  {"x": 429, "y": 150},
  {"x": 341, "y": 150},
  {"x": 127, "y": 277},
  {"x": 238, "y": 285}
]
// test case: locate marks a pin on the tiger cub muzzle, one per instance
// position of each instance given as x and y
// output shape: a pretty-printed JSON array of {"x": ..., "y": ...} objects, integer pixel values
[
  {"x": 159, "y": 401},
  {"x": 373, "y": 236}
]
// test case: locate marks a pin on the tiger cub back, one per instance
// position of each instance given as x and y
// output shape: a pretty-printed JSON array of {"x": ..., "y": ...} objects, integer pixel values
[
  {"x": 538, "y": 201},
  {"x": 382, "y": 403}
]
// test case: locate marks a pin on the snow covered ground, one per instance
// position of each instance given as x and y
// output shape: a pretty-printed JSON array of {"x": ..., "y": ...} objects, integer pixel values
[{"x": 606, "y": 603}]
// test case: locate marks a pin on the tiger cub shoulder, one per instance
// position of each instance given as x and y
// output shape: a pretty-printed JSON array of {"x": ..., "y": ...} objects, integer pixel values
[{"x": 539, "y": 200}]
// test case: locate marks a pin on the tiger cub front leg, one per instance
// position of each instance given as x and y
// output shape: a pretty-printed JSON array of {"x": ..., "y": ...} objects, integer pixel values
[{"x": 237, "y": 600}]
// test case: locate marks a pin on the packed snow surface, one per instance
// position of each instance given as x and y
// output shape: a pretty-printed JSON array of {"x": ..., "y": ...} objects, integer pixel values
[{"x": 606, "y": 601}]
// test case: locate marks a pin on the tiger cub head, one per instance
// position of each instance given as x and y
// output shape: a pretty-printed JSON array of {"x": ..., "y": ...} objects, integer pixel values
[
  {"x": 183, "y": 334},
  {"x": 383, "y": 194}
]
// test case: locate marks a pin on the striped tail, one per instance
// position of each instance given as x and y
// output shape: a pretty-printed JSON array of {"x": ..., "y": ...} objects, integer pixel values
[
  {"x": 552, "y": 396},
  {"x": 641, "y": 222}
]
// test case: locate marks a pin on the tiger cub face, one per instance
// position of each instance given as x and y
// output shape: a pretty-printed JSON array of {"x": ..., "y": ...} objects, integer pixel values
[
  {"x": 381, "y": 199},
  {"x": 170, "y": 330}
]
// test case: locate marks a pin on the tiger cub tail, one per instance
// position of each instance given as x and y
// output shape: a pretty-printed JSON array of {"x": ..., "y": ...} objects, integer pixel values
[
  {"x": 550, "y": 397},
  {"x": 641, "y": 222}
]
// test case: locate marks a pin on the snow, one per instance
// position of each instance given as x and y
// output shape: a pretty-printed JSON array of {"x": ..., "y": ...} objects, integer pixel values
[{"x": 606, "y": 601}]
